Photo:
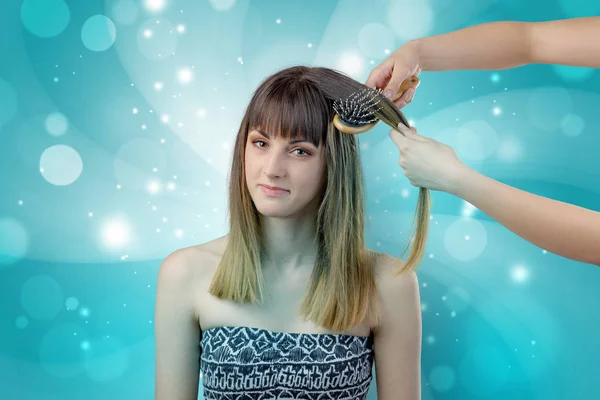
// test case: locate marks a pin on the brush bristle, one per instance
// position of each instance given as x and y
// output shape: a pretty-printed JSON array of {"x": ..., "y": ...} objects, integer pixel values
[
  {"x": 366, "y": 106},
  {"x": 359, "y": 108}
]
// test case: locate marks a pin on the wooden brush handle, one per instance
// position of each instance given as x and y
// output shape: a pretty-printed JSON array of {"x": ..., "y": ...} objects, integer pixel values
[
  {"x": 408, "y": 83},
  {"x": 351, "y": 130}
]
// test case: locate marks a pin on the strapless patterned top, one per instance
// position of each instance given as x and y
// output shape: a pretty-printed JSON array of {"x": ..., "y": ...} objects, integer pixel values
[{"x": 253, "y": 363}]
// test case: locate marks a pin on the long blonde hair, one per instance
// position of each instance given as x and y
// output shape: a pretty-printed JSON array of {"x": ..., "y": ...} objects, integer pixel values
[{"x": 298, "y": 103}]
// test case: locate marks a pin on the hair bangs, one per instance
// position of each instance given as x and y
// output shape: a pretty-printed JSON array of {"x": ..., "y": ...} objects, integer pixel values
[{"x": 291, "y": 110}]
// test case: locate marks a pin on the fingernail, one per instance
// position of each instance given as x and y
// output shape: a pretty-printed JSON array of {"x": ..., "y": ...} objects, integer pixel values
[{"x": 402, "y": 104}]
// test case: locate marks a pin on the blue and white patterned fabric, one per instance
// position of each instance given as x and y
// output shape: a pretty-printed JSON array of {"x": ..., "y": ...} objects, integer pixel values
[{"x": 253, "y": 363}]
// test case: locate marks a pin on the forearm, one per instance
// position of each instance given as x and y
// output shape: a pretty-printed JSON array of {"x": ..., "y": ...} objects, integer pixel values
[
  {"x": 495, "y": 45},
  {"x": 507, "y": 44},
  {"x": 564, "y": 229},
  {"x": 567, "y": 42}
]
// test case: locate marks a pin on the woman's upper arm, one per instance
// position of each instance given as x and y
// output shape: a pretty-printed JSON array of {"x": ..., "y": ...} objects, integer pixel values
[
  {"x": 177, "y": 332},
  {"x": 398, "y": 337}
]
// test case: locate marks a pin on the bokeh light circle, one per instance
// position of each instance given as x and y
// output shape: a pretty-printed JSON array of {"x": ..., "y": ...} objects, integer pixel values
[
  {"x": 548, "y": 106},
  {"x": 410, "y": 19},
  {"x": 125, "y": 12},
  {"x": 45, "y": 18},
  {"x": 222, "y": 5},
  {"x": 374, "y": 39},
  {"x": 572, "y": 125},
  {"x": 71, "y": 304},
  {"x": 60, "y": 165},
  {"x": 476, "y": 140},
  {"x": 14, "y": 241},
  {"x": 21, "y": 322},
  {"x": 42, "y": 297},
  {"x": 106, "y": 359},
  {"x": 56, "y": 124},
  {"x": 442, "y": 378},
  {"x": 8, "y": 102},
  {"x": 573, "y": 74},
  {"x": 98, "y": 33},
  {"x": 465, "y": 239}
]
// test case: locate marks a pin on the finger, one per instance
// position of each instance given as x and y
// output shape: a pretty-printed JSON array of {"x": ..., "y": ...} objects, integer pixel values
[
  {"x": 411, "y": 96},
  {"x": 405, "y": 130},
  {"x": 379, "y": 76},
  {"x": 399, "y": 74},
  {"x": 407, "y": 96},
  {"x": 411, "y": 133},
  {"x": 404, "y": 99},
  {"x": 399, "y": 139}
]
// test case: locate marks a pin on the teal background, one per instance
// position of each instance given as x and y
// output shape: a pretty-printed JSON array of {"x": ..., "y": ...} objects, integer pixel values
[{"x": 117, "y": 120}]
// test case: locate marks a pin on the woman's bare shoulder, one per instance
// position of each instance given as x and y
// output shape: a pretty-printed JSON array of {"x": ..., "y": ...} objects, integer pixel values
[
  {"x": 191, "y": 263},
  {"x": 386, "y": 268},
  {"x": 383, "y": 263}
]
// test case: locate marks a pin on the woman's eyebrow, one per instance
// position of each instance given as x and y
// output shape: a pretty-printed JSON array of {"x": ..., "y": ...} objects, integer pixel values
[{"x": 265, "y": 134}]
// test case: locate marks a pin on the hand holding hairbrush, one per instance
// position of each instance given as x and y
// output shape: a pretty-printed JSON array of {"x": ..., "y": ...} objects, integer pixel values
[{"x": 362, "y": 110}]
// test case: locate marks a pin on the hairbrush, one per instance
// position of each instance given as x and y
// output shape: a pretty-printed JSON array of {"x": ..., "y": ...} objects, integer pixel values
[{"x": 362, "y": 110}]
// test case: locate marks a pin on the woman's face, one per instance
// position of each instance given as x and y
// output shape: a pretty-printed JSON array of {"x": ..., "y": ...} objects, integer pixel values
[{"x": 296, "y": 166}]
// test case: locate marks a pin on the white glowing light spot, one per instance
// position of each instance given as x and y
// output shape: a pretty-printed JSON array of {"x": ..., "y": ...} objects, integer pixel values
[
  {"x": 185, "y": 75},
  {"x": 520, "y": 274},
  {"x": 164, "y": 118},
  {"x": 147, "y": 33},
  {"x": 135, "y": 110},
  {"x": 497, "y": 111},
  {"x": 180, "y": 28},
  {"x": 155, "y": 6},
  {"x": 468, "y": 209},
  {"x": 351, "y": 63},
  {"x": 116, "y": 232},
  {"x": 171, "y": 186},
  {"x": 158, "y": 86},
  {"x": 153, "y": 187}
]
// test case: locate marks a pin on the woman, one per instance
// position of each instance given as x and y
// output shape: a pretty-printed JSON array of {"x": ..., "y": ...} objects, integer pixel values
[{"x": 290, "y": 304}]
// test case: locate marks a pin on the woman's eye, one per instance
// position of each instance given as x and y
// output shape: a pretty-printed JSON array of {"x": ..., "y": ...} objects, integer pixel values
[{"x": 303, "y": 151}]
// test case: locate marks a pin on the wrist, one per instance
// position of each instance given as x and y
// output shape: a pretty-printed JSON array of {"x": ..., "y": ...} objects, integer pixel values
[
  {"x": 460, "y": 180},
  {"x": 415, "y": 47}
]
